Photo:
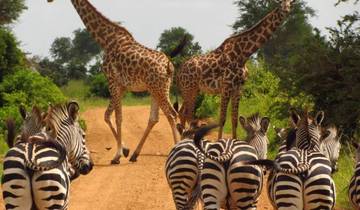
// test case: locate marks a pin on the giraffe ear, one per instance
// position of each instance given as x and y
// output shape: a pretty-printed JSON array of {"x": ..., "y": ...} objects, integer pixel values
[
  {"x": 265, "y": 122},
  {"x": 319, "y": 118},
  {"x": 22, "y": 111},
  {"x": 73, "y": 109},
  {"x": 242, "y": 121},
  {"x": 295, "y": 118}
]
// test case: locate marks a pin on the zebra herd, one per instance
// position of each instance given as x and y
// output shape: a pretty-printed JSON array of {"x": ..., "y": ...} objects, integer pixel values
[
  {"x": 229, "y": 173},
  {"x": 50, "y": 151}
]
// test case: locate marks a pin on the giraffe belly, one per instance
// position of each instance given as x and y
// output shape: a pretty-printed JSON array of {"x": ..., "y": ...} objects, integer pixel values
[
  {"x": 137, "y": 87},
  {"x": 211, "y": 88}
]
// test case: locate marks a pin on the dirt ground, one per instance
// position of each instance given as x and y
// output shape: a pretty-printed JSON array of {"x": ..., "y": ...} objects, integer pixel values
[{"x": 128, "y": 186}]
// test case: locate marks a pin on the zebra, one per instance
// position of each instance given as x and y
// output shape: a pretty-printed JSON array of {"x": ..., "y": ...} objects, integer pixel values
[
  {"x": 354, "y": 187},
  {"x": 34, "y": 188},
  {"x": 329, "y": 143},
  {"x": 195, "y": 167},
  {"x": 306, "y": 183}
]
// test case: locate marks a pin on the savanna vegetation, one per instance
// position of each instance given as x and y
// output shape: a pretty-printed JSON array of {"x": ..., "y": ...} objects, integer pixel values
[{"x": 299, "y": 67}]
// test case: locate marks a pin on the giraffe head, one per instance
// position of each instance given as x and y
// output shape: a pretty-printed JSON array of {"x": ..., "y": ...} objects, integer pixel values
[{"x": 285, "y": 5}]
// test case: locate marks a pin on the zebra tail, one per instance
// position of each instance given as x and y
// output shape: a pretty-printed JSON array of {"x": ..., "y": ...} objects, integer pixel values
[
  {"x": 11, "y": 132},
  {"x": 46, "y": 166},
  {"x": 271, "y": 164}
]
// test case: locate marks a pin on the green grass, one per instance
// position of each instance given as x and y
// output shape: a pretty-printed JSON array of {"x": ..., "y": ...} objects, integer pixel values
[
  {"x": 79, "y": 91},
  {"x": 3, "y": 149}
]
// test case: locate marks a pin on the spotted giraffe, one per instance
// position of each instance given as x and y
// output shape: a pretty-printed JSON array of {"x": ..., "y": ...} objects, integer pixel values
[
  {"x": 129, "y": 66},
  {"x": 223, "y": 71}
]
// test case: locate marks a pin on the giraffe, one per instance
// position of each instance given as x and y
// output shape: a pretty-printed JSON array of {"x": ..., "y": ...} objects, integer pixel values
[
  {"x": 129, "y": 66},
  {"x": 223, "y": 71}
]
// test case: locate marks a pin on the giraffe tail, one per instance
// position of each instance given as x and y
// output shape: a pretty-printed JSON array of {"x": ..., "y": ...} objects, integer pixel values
[
  {"x": 11, "y": 132},
  {"x": 271, "y": 164},
  {"x": 180, "y": 47}
]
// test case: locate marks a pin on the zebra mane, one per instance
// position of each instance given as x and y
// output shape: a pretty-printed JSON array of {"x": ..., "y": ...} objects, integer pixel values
[
  {"x": 254, "y": 122},
  {"x": 55, "y": 116}
]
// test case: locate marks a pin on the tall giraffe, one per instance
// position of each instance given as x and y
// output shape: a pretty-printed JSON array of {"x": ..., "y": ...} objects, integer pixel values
[
  {"x": 129, "y": 66},
  {"x": 223, "y": 71}
]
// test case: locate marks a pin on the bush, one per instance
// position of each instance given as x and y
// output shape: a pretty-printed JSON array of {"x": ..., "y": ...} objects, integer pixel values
[
  {"x": 28, "y": 88},
  {"x": 99, "y": 86},
  {"x": 207, "y": 106}
]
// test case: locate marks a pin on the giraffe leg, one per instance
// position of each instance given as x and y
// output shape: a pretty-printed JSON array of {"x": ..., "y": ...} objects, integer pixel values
[
  {"x": 153, "y": 119},
  {"x": 225, "y": 98},
  {"x": 235, "y": 112},
  {"x": 170, "y": 113},
  {"x": 188, "y": 108},
  {"x": 107, "y": 118}
]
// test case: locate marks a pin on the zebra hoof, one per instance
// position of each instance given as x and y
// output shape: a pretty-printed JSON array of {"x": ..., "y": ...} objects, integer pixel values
[
  {"x": 115, "y": 162},
  {"x": 133, "y": 158},
  {"x": 126, "y": 152}
]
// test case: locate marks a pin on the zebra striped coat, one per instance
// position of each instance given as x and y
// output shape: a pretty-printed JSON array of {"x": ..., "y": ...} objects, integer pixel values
[
  {"x": 354, "y": 187},
  {"x": 307, "y": 183},
  {"x": 215, "y": 171},
  {"x": 31, "y": 187}
]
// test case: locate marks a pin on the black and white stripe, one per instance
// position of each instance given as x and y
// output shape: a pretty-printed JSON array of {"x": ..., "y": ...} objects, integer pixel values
[
  {"x": 26, "y": 188},
  {"x": 354, "y": 187},
  {"x": 307, "y": 183},
  {"x": 215, "y": 170}
]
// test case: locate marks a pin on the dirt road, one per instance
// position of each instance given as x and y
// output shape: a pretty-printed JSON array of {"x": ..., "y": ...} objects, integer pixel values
[{"x": 126, "y": 186}]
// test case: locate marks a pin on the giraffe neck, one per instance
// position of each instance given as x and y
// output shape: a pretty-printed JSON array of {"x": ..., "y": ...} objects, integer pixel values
[
  {"x": 103, "y": 30},
  {"x": 242, "y": 46}
]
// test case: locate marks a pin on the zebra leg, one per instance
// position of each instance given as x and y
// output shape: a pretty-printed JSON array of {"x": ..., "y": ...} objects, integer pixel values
[
  {"x": 153, "y": 119},
  {"x": 51, "y": 189},
  {"x": 244, "y": 184},
  {"x": 16, "y": 187},
  {"x": 213, "y": 185},
  {"x": 288, "y": 192},
  {"x": 319, "y": 192}
]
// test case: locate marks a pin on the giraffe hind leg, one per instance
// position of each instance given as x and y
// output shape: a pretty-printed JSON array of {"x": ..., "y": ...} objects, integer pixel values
[{"x": 153, "y": 119}]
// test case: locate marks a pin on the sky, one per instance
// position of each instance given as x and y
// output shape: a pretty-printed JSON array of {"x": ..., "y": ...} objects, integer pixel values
[{"x": 208, "y": 20}]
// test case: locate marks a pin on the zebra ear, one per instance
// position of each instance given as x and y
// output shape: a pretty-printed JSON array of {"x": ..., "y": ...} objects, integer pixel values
[
  {"x": 22, "y": 111},
  {"x": 319, "y": 118},
  {"x": 295, "y": 118},
  {"x": 36, "y": 112},
  {"x": 265, "y": 122},
  {"x": 73, "y": 109},
  {"x": 242, "y": 121}
]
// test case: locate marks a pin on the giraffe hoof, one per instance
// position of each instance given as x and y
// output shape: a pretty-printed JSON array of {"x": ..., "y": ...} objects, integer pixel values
[
  {"x": 115, "y": 162},
  {"x": 126, "y": 152},
  {"x": 133, "y": 158}
]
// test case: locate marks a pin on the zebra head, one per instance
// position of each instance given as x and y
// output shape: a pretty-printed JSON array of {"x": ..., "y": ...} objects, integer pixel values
[
  {"x": 32, "y": 122},
  {"x": 256, "y": 129},
  {"x": 308, "y": 129},
  {"x": 330, "y": 145},
  {"x": 62, "y": 123}
]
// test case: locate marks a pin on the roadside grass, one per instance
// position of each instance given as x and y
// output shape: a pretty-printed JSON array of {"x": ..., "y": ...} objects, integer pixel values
[
  {"x": 3, "y": 149},
  {"x": 79, "y": 91}
]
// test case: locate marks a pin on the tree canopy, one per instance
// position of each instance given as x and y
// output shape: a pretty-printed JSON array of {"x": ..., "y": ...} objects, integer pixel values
[{"x": 10, "y": 10}]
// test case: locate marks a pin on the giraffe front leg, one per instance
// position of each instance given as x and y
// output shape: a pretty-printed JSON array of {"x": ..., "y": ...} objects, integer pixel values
[
  {"x": 153, "y": 119},
  {"x": 225, "y": 97},
  {"x": 235, "y": 112},
  {"x": 115, "y": 104}
]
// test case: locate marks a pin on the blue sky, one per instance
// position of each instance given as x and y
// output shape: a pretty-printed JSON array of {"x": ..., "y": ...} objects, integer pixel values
[{"x": 208, "y": 20}]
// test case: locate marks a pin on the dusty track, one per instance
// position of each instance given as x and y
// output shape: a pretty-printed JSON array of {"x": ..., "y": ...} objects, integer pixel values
[{"x": 127, "y": 186}]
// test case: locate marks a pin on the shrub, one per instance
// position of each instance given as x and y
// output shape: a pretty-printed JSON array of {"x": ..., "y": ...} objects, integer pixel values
[
  {"x": 99, "y": 86},
  {"x": 28, "y": 88}
]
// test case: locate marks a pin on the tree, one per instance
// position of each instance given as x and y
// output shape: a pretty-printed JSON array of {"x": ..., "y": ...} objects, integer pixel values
[
  {"x": 170, "y": 38},
  {"x": 10, "y": 10},
  {"x": 75, "y": 58}
]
